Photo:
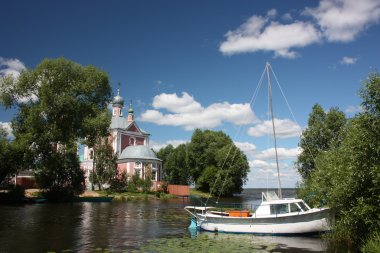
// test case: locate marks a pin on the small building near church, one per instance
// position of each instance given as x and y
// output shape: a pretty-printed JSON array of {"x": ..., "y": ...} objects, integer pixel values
[{"x": 130, "y": 143}]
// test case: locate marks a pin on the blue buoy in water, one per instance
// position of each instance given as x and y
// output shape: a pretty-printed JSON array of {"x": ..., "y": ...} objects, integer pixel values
[{"x": 193, "y": 223}]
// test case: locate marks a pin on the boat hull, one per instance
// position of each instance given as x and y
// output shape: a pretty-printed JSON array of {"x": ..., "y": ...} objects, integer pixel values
[{"x": 312, "y": 222}]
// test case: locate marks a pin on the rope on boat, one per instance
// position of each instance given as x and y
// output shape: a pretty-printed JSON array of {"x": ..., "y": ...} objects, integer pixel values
[
  {"x": 291, "y": 111},
  {"x": 251, "y": 103}
]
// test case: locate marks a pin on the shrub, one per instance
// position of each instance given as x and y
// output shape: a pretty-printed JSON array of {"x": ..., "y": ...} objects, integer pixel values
[{"x": 372, "y": 245}]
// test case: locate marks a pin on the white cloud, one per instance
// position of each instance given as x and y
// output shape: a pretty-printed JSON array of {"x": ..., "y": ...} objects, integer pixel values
[
  {"x": 261, "y": 34},
  {"x": 264, "y": 174},
  {"x": 353, "y": 109},
  {"x": 261, "y": 165},
  {"x": 272, "y": 13},
  {"x": 246, "y": 147},
  {"x": 185, "y": 112},
  {"x": 14, "y": 67},
  {"x": 8, "y": 128},
  {"x": 343, "y": 20},
  {"x": 283, "y": 153},
  {"x": 287, "y": 16},
  {"x": 173, "y": 103},
  {"x": 156, "y": 146},
  {"x": 348, "y": 60},
  {"x": 11, "y": 67},
  {"x": 331, "y": 20},
  {"x": 285, "y": 128}
]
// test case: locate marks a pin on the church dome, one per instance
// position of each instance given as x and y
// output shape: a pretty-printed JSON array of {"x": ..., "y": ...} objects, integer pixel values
[
  {"x": 118, "y": 100},
  {"x": 138, "y": 152}
]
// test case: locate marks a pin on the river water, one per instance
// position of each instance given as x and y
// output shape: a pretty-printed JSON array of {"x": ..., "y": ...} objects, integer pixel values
[{"x": 116, "y": 226}]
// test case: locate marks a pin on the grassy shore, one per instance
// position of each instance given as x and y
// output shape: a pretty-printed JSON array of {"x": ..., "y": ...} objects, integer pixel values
[
  {"x": 35, "y": 193},
  {"x": 197, "y": 193}
]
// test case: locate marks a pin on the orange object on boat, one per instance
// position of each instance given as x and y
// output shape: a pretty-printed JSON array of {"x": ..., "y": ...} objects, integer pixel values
[{"x": 238, "y": 213}]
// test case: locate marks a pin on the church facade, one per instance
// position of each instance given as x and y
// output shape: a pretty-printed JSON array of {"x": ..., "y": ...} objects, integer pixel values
[{"x": 130, "y": 143}]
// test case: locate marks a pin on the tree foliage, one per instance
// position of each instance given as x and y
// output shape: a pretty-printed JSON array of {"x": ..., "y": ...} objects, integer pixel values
[
  {"x": 5, "y": 154},
  {"x": 176, "y": 168},
  {"x": 210, "y": 160},
  {"x": 324, "y": 131},
  {"x": 105, "y": 163},
  {"x": 58, "y": 103},
  {"x": 348, "y": 175}
]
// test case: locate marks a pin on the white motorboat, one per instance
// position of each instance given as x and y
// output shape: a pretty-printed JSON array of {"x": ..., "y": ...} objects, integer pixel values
[{"x": 275, "y": 215}]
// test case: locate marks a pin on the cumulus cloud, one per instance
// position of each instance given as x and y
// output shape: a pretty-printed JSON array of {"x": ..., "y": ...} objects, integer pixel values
[
  {"x": 156, "y": 146},
  {"x": 283, "y": 153},
  {"x": 185, "y": 112},
  {"x": 331, "y": 20},
  {"x": 8, "y": 128},
  {"x": 343, "y": 20},
  {"x": 348, "y": 60},
  {"x": 354, "y": 109},
  {"x": 246, "y": 147},
  {"x": 285, "y": 128},
  {"x": 261, "y": 165},
  {"x": 173, "y": 103},
  {"x": 264, "y": 174},
  {"x": 11, "y": 67},
  {"x": 260, "y": 33},
  {"x": 14, "y": 67},
  {"x": 287, "y": 16}
]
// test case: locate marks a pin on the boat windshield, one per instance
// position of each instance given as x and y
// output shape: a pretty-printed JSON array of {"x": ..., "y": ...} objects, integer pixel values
[
  {"x": 294, "y": 208},
  {"x": 279, "y": 209},
  {"x": 303, "y": 206}
]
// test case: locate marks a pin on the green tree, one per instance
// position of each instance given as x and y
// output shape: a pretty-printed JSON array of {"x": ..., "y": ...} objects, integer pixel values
[
  {"x": 176, "y": 169},
  {"x": 6, "y": 151},
  {"x": 146, "y": 182},
  {"x": 163, "y": 153},
  {"x": 348, "y": 176},
  {"x": 58, "y": 103},
  {"x": 210, "y": 160},
  {"x": 203, "y": 148},
  {"x": 105, "y": 163},
  {"x": 324, "y": 131},
  {"x": 13, "y": 156},
  {"x": 228, "y": 175}
]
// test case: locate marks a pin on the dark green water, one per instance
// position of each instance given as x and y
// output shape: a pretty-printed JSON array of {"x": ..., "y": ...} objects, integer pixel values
[{"x": 116, "y": 226}]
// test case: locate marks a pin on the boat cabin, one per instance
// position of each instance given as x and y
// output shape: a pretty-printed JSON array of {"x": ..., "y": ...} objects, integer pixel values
[{"x": 272, "y": 205}]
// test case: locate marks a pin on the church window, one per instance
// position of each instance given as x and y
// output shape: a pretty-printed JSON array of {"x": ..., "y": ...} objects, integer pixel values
[
  {"x": 138, "y": 164},
  {"x": 154, "y": 175}
]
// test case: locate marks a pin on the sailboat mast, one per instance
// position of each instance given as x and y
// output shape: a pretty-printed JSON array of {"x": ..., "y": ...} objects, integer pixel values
[{"x": 274, "y": 130}]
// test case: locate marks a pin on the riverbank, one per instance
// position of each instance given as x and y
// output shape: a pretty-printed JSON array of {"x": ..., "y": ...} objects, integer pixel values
[
  {"x": 36, "y": 196},
  {"x": 35, "y": 193}
]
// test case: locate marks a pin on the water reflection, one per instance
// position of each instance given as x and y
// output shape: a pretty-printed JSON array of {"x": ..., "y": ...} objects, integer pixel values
[
  {"x": 281, "y": 243},
  {"x": 121, "y": 226}
]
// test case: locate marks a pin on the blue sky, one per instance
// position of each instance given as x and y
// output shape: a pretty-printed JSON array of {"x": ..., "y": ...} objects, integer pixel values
[{"x": 189, "y": 64}]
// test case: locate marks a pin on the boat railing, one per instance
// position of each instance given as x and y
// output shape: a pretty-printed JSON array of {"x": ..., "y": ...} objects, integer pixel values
[
  {"x": 224, "y": 206},
  {"x": 227, "y": 206}
]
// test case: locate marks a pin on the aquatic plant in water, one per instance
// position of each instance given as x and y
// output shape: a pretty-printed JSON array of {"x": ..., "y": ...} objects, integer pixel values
[{"x": 206, "y": 243}]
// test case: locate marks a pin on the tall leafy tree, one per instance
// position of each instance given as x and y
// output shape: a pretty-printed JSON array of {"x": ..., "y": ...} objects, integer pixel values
[
  {"x": 203, "y": 148},
  {"x": 228, "y": 175},
  {"x": 324, "y": 131},
  {"x": 58, "y": 103},
  {"x": 348, "y": 176},
  {"x": 6, "y": 168},
  {"x": 105, "y": 163},
  {"x": 176, "y": 167},
  {"x": 210, "y": 160}
]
